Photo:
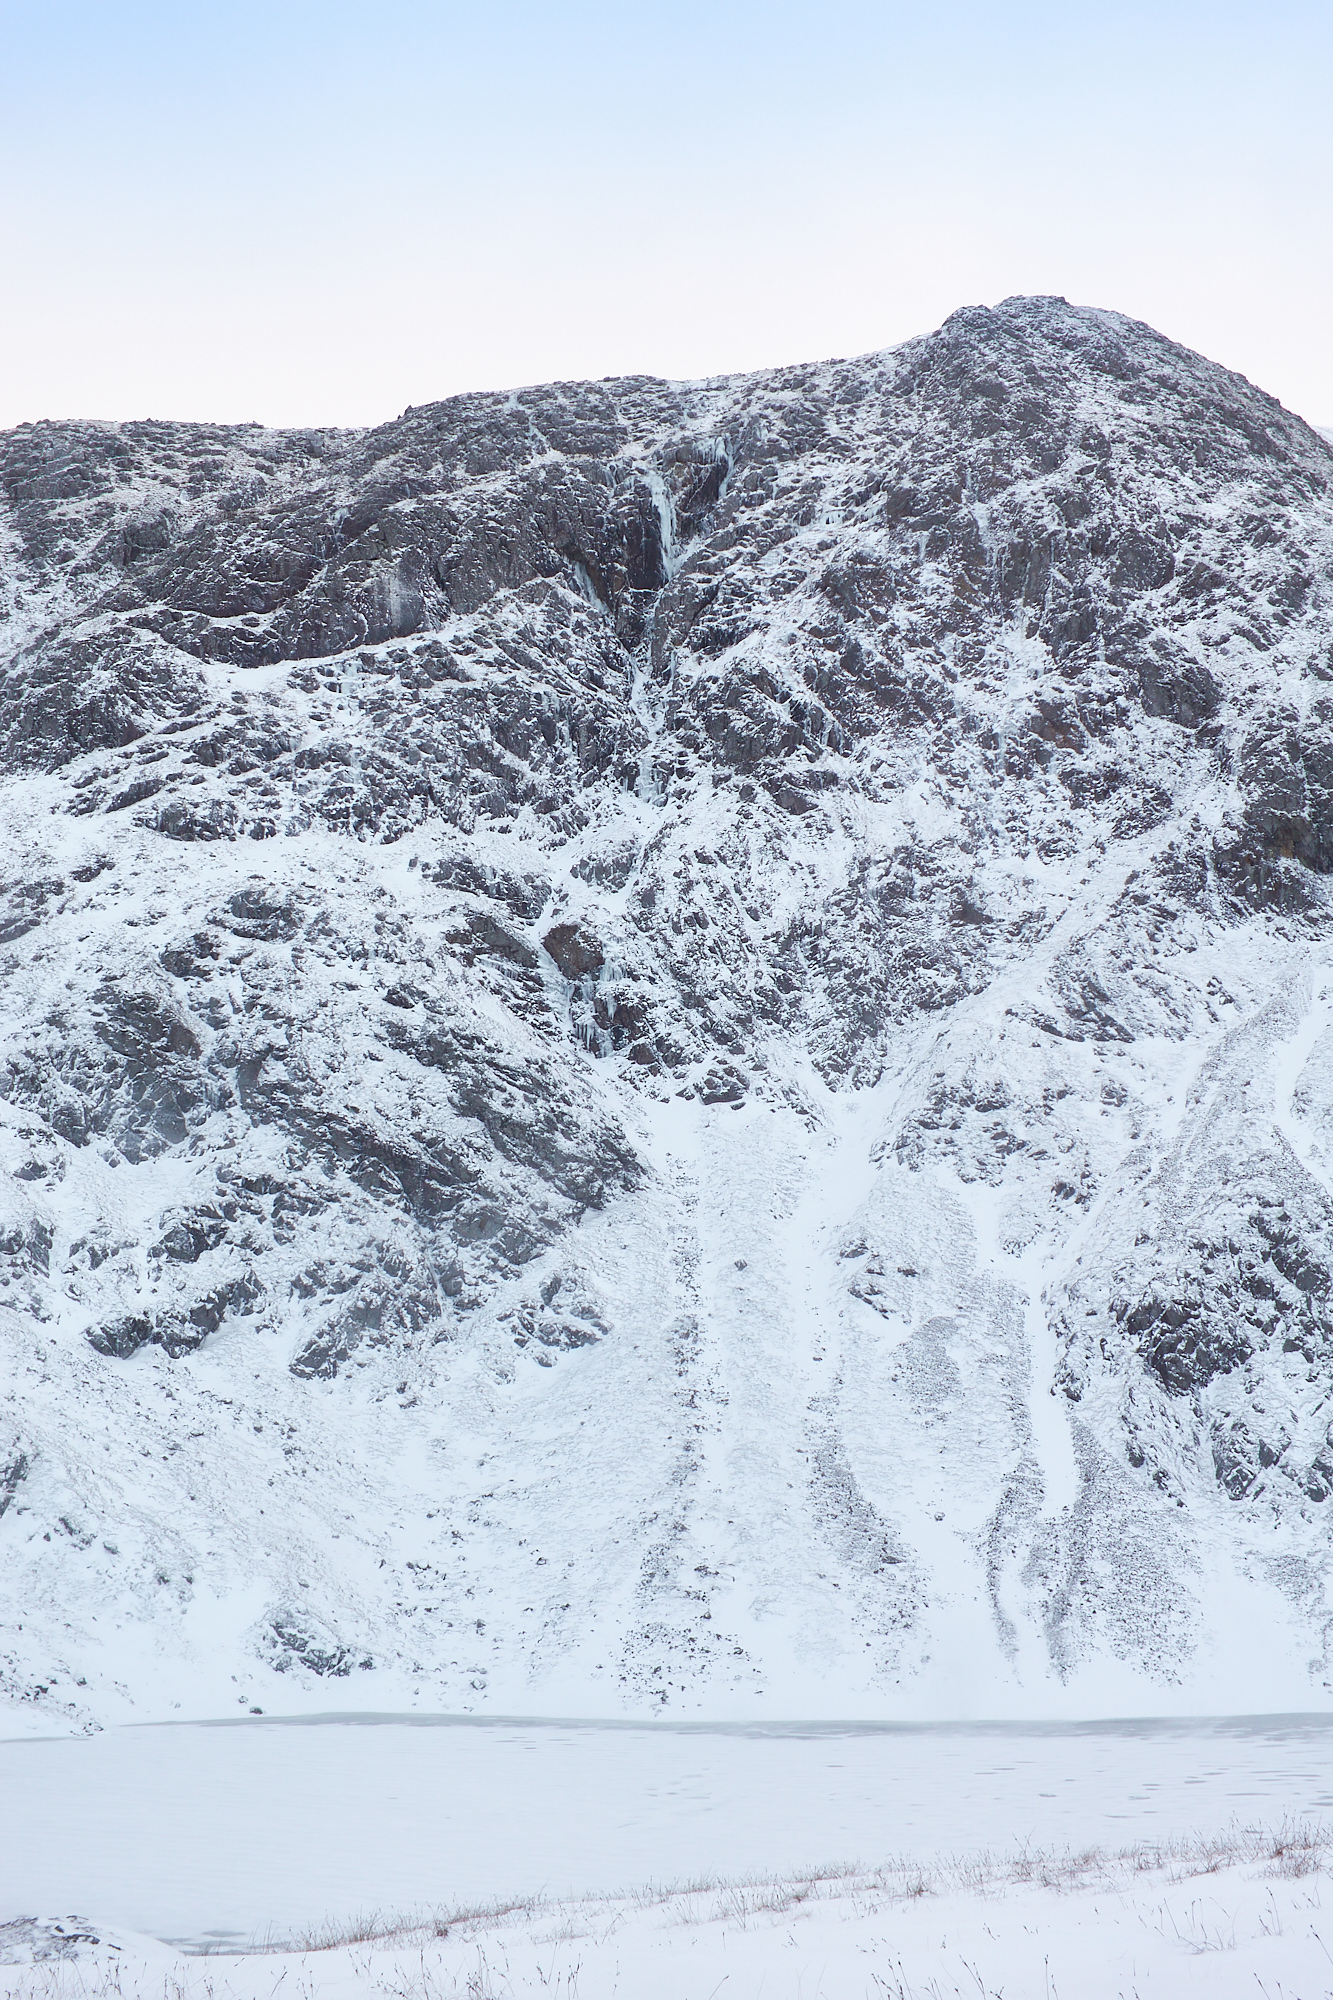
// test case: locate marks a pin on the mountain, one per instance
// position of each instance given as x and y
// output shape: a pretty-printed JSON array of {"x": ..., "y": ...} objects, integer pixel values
[{"x": 669, "y": 1047}]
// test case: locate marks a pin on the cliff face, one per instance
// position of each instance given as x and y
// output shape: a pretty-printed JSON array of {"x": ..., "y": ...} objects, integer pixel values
[{"x": 672, "y": 1045}]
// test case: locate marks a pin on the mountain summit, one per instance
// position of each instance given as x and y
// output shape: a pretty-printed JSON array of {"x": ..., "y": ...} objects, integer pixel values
[{"x": 670, "y": 1046}]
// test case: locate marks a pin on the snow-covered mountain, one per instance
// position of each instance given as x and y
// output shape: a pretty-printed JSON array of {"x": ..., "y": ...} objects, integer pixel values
[{"x": 670, "y": 1046}]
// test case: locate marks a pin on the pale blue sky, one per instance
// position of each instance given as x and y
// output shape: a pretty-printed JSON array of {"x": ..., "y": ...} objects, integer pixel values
[{"x": 304, "y": 213}]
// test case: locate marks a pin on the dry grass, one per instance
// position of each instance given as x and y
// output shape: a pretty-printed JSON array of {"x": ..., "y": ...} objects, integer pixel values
[
  {"x": 1289, "y": 1852},
  {"x": 404, "y": 1927},
  {"x": 416, "y": 1970}
]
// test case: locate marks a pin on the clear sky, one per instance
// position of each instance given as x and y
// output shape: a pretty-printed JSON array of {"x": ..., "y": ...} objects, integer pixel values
[{"x": 318, "y": 213}]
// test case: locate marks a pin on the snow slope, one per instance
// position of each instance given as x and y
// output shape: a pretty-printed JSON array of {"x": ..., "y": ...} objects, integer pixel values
[{"x": 670, "y": 1047}]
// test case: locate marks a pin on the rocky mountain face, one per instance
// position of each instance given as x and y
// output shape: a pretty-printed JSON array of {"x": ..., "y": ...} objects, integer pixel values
[{"x": 671, "y": 1046}]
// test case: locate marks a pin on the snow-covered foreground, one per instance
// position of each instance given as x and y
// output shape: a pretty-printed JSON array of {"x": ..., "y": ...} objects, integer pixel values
[
  {"x": 229, "y": 1835},
  {"x": 1243, "y": 1915}
]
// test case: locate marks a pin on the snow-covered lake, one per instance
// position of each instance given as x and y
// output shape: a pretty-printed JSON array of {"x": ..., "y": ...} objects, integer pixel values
[{"x": 205, "y": 1832}]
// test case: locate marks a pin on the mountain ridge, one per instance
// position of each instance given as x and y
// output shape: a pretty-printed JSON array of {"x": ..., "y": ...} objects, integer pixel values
[{"x": 718, "y": 990}]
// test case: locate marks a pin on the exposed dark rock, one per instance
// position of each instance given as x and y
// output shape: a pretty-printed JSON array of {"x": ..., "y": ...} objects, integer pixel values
[
  {"x": 576, "y": 953},
  {"x": 12, "y": 1474}
]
